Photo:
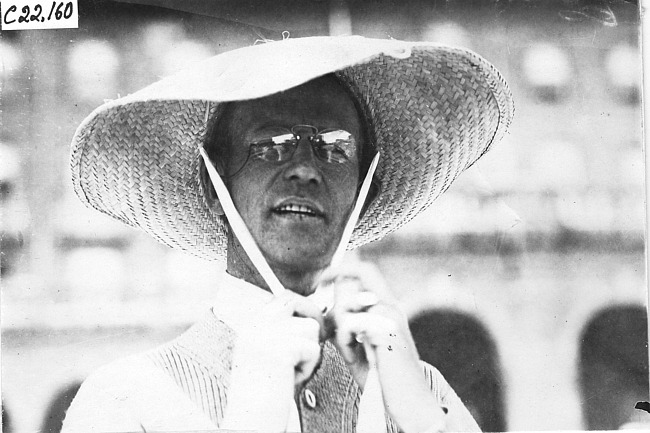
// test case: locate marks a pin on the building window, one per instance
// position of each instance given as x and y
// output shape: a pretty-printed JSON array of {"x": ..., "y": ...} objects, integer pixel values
[
  {"x": 548, "y": 71},
  {"x": 623, "y": 65},
  {"x": 169, "y": 50},
  {"x": 447, "y": 33},
  {"x": 94, "y": 67},
  {"x": 11, "y": 63}
]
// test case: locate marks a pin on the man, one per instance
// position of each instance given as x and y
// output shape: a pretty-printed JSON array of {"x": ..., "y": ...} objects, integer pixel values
[{"x": 295, "y": 130}]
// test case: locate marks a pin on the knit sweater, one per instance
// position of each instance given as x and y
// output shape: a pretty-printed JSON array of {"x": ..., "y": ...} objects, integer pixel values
[{"x": 183, "y": 386}]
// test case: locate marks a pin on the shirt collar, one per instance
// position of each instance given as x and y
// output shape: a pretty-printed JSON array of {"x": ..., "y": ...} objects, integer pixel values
[{"x": 238, "y": 302}]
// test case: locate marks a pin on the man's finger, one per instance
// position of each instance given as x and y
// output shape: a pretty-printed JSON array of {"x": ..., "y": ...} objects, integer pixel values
[
  {"x": 351, "y": 296},
  {"x": 366, "y": 273},
  {"x": 305, "y": 307},
  {"x": 377, "y": 330}
]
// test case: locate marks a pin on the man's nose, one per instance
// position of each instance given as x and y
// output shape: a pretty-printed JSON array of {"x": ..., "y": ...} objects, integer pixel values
[{"x": 303, "y": 164}]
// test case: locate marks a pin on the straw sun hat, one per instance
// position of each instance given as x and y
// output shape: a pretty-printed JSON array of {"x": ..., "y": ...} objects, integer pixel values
[{"x": 432, "y": 112}]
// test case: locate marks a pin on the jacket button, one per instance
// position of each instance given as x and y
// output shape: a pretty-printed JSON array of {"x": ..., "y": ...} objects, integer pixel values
[{"x": 310, "y": 398}]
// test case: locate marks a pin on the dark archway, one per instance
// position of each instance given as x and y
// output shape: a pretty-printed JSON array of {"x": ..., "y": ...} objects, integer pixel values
[
  {"x": 58, "y": 406},
  {"x": 6, "y": 419},
  {"x": 462, "y": 349},
  {"x": 613, "y": 366}
]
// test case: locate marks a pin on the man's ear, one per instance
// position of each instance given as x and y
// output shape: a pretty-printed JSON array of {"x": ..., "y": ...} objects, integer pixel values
[{"x": 210, "y": 193}]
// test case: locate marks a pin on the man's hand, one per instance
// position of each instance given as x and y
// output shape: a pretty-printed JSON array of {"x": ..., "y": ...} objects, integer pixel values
[
  {"x": 286, "y": 335},
  {"x": 364, "y": 315},
  {"x": 272, "y": 356}
]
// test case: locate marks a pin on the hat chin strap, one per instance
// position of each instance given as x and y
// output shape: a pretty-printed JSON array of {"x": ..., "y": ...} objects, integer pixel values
[
  {"x": 246, "y": 240},
  {"x": 239, "y": 228},
  {"x": 371, "y": 408}
]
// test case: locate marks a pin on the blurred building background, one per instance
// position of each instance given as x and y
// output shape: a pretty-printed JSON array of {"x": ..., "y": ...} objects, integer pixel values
[{"x": 533, "y": 261}]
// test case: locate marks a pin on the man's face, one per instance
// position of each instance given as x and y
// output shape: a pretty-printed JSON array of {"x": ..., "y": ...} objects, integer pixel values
[{"x": 296, "y": 209}]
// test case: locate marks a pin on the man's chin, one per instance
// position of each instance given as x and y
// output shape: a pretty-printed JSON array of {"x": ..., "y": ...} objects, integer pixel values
[
  {"x": 306, "y": 259},
  {"x": 300, "y": 257}
]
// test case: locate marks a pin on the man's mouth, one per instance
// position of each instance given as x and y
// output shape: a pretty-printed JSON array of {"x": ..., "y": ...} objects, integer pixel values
[{"x": 290, "y": 208}]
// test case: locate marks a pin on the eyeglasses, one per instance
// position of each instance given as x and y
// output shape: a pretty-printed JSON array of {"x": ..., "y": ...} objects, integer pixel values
[{"x": 332, "y": 146}]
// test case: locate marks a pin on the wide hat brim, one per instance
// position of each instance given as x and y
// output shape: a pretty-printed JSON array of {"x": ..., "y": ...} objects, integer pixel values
[{"x": 432, "y": 110}]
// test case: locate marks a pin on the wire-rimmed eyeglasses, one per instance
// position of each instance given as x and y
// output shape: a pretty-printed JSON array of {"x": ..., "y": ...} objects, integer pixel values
[{"x": 332, "y": 146}]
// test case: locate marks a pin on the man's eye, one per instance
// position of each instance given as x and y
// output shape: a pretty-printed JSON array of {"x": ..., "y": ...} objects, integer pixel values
[
  {"x": 270, "y": 151},
  {"x": 334, "y": 153}
]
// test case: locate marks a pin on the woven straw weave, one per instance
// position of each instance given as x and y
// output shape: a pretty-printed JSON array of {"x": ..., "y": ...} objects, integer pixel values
[{"x": 433, "y": 114}]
